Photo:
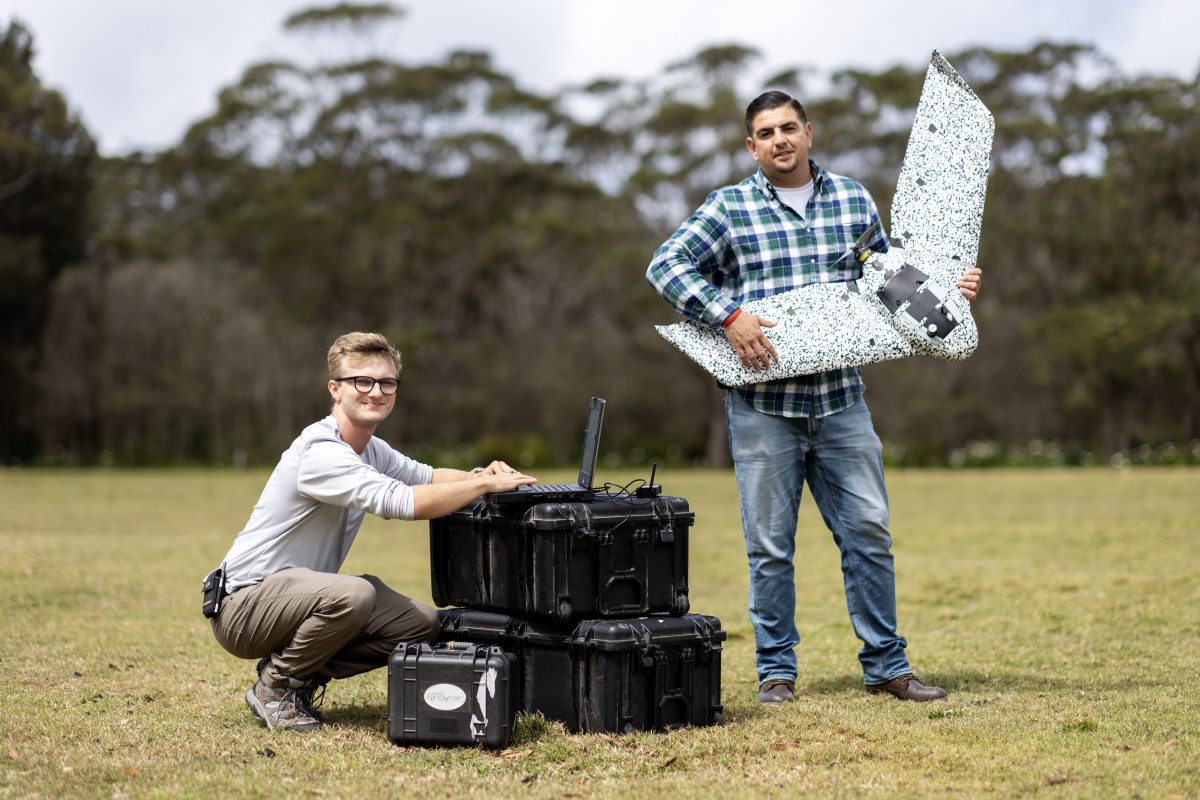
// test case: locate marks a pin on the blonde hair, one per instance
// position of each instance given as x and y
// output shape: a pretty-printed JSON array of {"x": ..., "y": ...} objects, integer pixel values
[{"x": 358, "y": 347}]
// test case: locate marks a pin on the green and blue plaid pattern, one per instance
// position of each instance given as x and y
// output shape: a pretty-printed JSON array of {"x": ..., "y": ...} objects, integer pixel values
[{"x": 744, "y": 244}]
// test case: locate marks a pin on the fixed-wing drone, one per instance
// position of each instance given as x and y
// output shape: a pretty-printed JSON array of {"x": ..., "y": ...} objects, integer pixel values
[{"x": 906, "y": 302}]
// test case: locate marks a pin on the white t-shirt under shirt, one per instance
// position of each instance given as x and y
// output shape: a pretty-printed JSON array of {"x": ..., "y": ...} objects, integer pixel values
[
  {"x": 797, "y": 198},
  {"x": 315, "y": 501}
]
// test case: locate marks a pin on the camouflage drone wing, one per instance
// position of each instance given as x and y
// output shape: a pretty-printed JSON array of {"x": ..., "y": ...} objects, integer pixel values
[{"x": 938, "y": 206}]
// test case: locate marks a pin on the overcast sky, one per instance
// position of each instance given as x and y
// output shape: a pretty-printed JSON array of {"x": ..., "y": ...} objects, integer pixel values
[{"x": 139, "y": 72}]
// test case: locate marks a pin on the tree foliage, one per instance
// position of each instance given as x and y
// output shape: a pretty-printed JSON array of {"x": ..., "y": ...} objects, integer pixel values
[
  {"x": 45, "y": 172},
  {"x": 500, "y": 237}
]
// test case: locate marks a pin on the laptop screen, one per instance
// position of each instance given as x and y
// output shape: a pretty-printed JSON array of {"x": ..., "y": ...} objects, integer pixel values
[{"x": 591, "y": 442}]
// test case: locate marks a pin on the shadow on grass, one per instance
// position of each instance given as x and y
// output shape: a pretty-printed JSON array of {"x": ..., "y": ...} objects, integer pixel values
[
  {"x": 970, "y": 681},
  {"x": 371, "y": 716}
]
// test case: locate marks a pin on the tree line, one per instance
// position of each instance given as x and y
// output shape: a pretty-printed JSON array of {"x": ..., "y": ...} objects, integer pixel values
[{"x": 175, "y": 306}]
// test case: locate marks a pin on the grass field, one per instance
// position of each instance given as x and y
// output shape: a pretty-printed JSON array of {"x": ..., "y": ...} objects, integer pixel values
[{"x": 1060, "y": 608}]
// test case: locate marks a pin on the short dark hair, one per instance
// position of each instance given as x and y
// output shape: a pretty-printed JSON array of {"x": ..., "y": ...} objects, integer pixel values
[{"x": 772, "y": 100}]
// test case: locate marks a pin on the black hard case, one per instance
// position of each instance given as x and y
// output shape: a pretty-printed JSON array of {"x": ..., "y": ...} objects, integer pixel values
[
  {"x": 616, "y": 556},
  {"x": 451, "y": 694},
  {"x": 647, "y": 673}
]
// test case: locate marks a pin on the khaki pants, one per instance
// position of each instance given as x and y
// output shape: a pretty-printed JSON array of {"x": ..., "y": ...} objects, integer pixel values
[{"x": 320, "y": 624}]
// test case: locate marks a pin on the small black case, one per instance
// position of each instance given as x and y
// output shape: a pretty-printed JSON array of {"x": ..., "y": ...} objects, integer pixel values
[
  {"x": 214, "y": 592},
  {"x": 451, "y": 693}
]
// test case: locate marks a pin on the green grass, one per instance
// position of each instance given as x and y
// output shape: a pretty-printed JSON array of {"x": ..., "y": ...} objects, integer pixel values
[{"x": 1060, "y": 608}]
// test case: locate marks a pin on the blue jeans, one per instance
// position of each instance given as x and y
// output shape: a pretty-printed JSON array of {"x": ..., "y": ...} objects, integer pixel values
[{"x": 841, "y": 458}]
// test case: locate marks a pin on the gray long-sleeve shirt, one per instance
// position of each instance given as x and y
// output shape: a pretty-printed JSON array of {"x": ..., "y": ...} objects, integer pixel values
[{"x": 315, "y": 501}]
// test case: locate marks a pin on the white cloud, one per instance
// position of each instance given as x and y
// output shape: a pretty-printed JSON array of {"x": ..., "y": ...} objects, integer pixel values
[
  {"x": 141, "y": 71},
  {"x": 1159, "y": 38}
]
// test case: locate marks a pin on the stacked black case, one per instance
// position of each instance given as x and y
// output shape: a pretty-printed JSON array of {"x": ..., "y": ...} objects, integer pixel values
[
  {"x": 592, "y": 598},
  {"x": 614, "y": 556},
  {"x": 608, "y": 675}
]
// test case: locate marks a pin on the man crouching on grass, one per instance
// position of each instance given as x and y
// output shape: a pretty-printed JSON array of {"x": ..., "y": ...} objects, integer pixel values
[{"x": 287, "y": 605}]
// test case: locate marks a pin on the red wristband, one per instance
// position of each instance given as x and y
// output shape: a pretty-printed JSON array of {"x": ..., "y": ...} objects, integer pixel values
[{"x": 729, "y": 320}]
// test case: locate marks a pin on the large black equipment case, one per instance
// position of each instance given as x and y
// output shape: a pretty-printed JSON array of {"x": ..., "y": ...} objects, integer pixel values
[
  {"x": 451, "y": 694},
  {"x": 615, "y": 675},
  {"x": 616, "y": 556}
]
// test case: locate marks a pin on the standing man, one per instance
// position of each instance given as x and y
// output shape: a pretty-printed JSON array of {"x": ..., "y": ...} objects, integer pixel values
[
  {"x": 783, "y": 228},
  {"x": 287, "y": 605}
]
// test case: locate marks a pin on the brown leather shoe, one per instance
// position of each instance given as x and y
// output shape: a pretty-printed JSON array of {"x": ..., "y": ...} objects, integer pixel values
[
  {"x": 906, "y": 687},
  {"x": 776, "y": 692}
]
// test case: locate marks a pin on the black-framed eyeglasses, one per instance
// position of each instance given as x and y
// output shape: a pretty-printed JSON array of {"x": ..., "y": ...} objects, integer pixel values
[{"x": 365, "y": 384}]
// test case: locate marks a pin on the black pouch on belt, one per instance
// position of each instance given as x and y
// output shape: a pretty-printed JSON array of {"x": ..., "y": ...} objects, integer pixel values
[{"x": 214, "y": 592}]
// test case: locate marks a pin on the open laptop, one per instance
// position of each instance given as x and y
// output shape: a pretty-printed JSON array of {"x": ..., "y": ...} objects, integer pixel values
[{"x": 565, "y": 492}]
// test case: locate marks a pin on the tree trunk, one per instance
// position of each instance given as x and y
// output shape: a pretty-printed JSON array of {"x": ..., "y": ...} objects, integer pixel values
[{"x": 716, "y": 452}]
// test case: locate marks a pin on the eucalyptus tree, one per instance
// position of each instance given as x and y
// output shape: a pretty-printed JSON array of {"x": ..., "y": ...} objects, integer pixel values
[
  {"x": 46, "y": 155},
  {"x": 428, "y": 201},
  {"x": 500, "y": 236},
  {"x": 1122, "y": 338}
]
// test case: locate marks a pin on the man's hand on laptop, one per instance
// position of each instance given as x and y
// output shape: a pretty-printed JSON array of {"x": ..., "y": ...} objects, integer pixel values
[
  {"x": 453, "y": 489},
  {"x": 497, "y": 468},
  {"x": 501, "y": 477}
]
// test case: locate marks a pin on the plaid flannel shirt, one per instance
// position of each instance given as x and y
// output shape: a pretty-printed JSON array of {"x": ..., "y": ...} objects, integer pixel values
[{"x": 744, "y": 244}]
